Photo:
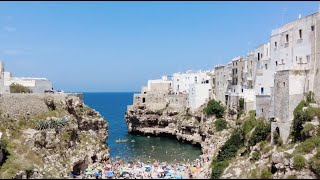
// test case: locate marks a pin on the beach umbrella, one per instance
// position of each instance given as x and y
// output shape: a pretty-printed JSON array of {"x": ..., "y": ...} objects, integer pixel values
[
  {"x": 155, "y": 176},
  {"x": 99, "y": 167},
  {"x": 171, "y": 171},
  {"x": 121, "y": 171},
  {"x": 97, "y": 174},
  {"x": 178, "y": 176},
  {"x": 135, "y": 171},
  {"x": 89, "y": 169},
  {"x": 125, "y": 173},
  {"x": 194, "y": 169},
  {"x": 180, "y": 168},
  {"x": 148, "y": 168},
  {"x": 160, "y": 170},
  {"x": 109, "y": 174}
]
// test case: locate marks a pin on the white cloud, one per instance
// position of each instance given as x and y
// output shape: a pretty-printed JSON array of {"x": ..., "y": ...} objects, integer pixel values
[{"x": 9, "y": 28}]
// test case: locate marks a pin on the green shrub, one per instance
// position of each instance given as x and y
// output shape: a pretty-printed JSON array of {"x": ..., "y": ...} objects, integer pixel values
[
  {"x": 298, "y": 120},
  {"x": 298, "y": 162},
  {"x": 308, "y": 145},
  {"x": 265, "y": 174},
  {"x": 261, "y": 132},
  {"x": 230, "y": 148},
  {"x": 249, "y": 123},
  {"x": 256, "y": 155},
  {"x": 292, "y": 177},
  {"x": 240, "y": 114},
  {"x": 218, "y": 168},
  {"x": 241, "y": 104},
  {"x": 220, "y": 124},
  {"x": 310, "y": 97},
  {"x": 227, "y": 152},
  {"x": 306, "y": 130},
  {"x": 279, "y": 141},
  {"x": 214, "y": 108},
  {"x": 315, "y": 163},
  {"x": 18, "y": 88}
]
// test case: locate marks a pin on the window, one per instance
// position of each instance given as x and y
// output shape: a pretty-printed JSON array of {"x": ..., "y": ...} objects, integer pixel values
[
  {"x": 287, "y": 38},
  {"x": 300, "y": 60},
  {"x": 266, "y": 65},
  {"x": 284, "y": 84},
  {"x": 258, "y": 56},
  {"x": 296, "y": 58},
  {"x": 275, "y": 44},
  {"x": 312, "y": 28},
  {"x": 261, "y": 55},
  {"x": 195, "y": 79},
  {"x": 300, "y": 33},
  {"x": 262, "y": 90},
  {"x": 262, "y": 110},
  {"x": 241, "y": 90},
  {"x": 282, "y": 61},
  {"x": 178, "y": 87},
  {"x": 276, "y": 63},
  {"x": 308, "y": 58}
]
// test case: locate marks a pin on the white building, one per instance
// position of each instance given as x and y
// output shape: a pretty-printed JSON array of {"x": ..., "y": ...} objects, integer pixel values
[
  {"x": 182, "y": 81},
  {"x": 37, "y": 85}
]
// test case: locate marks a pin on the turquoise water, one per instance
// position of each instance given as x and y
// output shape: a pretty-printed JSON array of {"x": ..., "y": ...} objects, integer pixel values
[{"x": 112, "y": 106}]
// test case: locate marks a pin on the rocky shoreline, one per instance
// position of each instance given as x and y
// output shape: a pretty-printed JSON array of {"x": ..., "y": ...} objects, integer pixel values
[
  {"x": 63, "y": 135},
  {"x": 194, "y": 128}
]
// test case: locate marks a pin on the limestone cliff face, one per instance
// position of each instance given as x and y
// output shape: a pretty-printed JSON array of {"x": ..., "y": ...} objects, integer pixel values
[
  {"x": 169, "y": 121},
  {"x": 193, "y": 127},
  {"x": 66, "y": 136}
]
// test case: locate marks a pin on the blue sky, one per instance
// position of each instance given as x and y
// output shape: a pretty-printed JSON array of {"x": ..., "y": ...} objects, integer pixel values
[{"x": 118, "y": 46}]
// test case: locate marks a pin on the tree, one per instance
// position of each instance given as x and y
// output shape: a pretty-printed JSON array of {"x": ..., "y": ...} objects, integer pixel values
[
  {"x": 214, "y": 108},
  {"x": 18, "y": 88}
]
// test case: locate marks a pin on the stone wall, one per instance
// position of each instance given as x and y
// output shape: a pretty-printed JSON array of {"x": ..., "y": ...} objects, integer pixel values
[
  {"x": 281, "y": 96},
  {"x": 15, "y": 105},
  {"x": 178, "y": 101},
  {"x": 263, "y": 105}
]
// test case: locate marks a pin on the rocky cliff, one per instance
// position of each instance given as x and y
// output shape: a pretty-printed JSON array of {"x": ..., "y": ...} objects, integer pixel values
[
  {"x": 243, "y": 148},
  {"x": 59, "y": 134},
  {"x": 194, "y": 127}
]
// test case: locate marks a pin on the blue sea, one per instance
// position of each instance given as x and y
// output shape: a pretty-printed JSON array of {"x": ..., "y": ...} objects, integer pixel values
[{"x": 112, "y": 106}]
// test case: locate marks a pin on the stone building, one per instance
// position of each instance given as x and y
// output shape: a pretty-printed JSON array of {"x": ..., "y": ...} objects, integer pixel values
[
  {"x": 264, "y": 80},
  {"x": 37, "y": 85},
  {"x": 222, "y": 82},
  {"x": 272, "y": 79},
  {"x": 293, "y": 48},
  {"x": 182, "y": 81},
  {"x": 199, "y": 93}
]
